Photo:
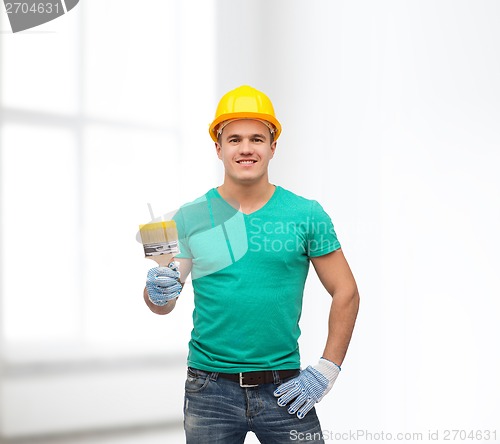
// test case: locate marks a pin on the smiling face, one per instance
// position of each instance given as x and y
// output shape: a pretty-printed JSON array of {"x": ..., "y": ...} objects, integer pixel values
[{"x": 245, "y": 148}]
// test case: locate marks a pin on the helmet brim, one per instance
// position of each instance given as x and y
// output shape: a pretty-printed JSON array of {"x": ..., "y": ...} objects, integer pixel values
[{"x": 244, "y": 115}]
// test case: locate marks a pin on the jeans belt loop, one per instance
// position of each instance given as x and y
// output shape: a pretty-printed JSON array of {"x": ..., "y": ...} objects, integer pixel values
[
  {"x": 246, "y": 385},
  {"x": 276, "y": 377}
]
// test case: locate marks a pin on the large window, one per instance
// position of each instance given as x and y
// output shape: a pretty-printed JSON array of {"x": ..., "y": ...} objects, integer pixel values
[{"x": 103, "y": 110}]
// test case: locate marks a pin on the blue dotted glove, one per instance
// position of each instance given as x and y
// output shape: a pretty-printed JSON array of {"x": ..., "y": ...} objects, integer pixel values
[
  {"x": 162, "y": 284},
  {"x": 308, "y": 388}
]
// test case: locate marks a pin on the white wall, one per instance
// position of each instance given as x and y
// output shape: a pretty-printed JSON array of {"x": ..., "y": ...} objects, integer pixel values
[
  {"x": 102, "y": 111},
  {"x": 93, "y": 396},
  {"x": 390, "y": 114}
]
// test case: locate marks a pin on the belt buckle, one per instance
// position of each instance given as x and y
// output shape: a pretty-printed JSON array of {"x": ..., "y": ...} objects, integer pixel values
[{"x": 245, "y": 385}]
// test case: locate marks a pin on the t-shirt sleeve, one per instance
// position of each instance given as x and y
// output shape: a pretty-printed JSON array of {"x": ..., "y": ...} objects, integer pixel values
[
  {"x": 321, "y": 238},
  {"x": 182, "y": 232}
]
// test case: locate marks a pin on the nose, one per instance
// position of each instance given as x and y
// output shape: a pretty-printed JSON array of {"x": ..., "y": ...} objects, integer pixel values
[{"x": 246, "y": 147}]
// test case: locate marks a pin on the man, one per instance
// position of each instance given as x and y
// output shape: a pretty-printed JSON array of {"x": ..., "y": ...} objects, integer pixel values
[{"x": 248, "y": 245}]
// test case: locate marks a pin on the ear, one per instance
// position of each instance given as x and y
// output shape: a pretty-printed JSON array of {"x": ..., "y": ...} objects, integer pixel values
[
  {"x": 218, "y": 149},
  {"x": 273, "y": 148}
]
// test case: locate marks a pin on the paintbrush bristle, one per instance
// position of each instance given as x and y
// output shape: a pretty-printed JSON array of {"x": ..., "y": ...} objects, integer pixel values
[{"x": 159, "y": 238}]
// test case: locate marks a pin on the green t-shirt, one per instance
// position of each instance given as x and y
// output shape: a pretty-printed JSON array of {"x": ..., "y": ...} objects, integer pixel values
[{"x": 248, "y": 277}]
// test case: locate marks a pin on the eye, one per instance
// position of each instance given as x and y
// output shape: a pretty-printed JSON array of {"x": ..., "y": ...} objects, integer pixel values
[
  {"x": 257, "y": 140},
  {"x": 233, "y": 140}
]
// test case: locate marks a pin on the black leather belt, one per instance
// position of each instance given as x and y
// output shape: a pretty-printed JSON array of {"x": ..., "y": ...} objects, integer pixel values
[{"x": 252, "y": 379}]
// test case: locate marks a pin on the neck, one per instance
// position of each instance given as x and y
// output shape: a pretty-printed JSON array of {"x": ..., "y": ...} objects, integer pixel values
[{"x": 249, "y": 197}]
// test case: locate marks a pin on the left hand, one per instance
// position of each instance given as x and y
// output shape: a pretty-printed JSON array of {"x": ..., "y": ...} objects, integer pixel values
[{"x": 308, "y": 388}]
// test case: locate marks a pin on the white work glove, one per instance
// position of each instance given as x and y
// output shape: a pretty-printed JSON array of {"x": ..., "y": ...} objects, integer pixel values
[
  {"x": 163, "y": 284},
  {"x": 308, "y": 388}
]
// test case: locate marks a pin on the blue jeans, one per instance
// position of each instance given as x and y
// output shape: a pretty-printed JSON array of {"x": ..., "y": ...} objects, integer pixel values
[{"x": 219, "y": 411}]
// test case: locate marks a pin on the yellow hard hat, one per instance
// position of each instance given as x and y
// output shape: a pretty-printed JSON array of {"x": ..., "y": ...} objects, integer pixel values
[{"x": 245, "y": 102}]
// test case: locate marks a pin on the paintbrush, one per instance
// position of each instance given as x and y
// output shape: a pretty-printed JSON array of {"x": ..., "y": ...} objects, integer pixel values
[{"x": 160, "y": 240}]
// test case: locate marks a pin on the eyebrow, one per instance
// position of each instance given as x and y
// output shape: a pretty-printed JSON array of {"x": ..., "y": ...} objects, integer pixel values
[{"x": 262, "y": 136}]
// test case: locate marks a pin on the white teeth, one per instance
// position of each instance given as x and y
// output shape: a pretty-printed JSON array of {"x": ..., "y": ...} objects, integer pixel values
[{"x": 246, "y": 161}]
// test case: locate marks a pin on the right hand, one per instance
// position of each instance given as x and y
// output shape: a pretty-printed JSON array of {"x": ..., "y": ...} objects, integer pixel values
[{"x": 162, "y": 284}]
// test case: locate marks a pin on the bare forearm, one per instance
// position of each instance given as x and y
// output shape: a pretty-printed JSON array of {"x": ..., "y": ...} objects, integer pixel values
[
  {"x": 159, "y": 309},
  {"x": 343, "y": 313}
]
